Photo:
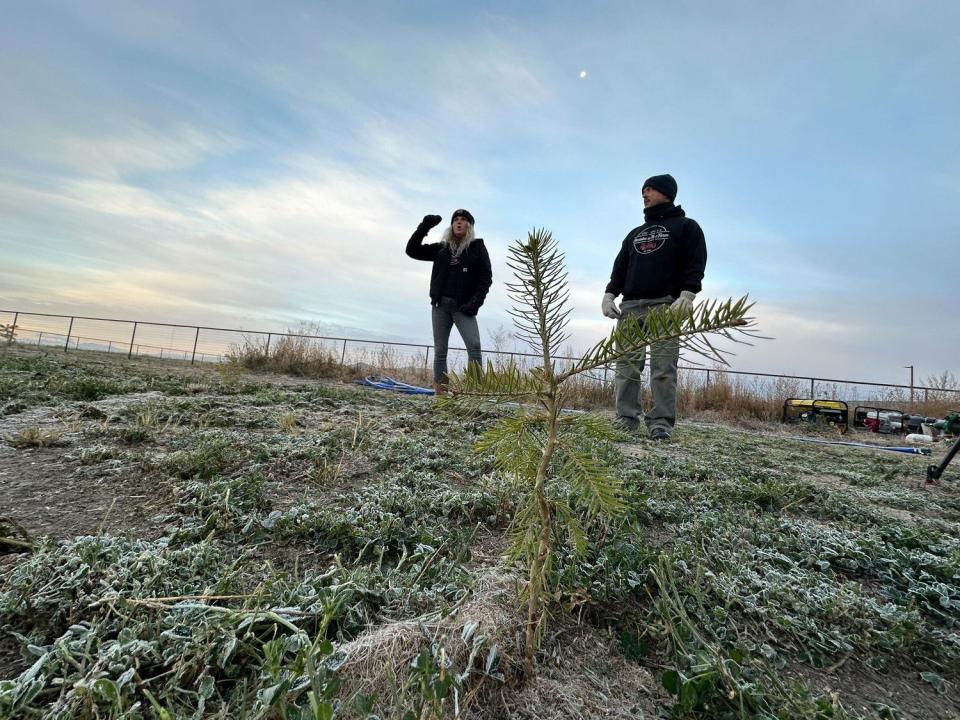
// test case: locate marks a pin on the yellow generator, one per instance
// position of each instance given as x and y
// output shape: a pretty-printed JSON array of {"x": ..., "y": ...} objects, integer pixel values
[{"x": 834, "y": 413}]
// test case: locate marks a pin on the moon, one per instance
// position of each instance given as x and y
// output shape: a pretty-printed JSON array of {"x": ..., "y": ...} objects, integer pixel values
[{"x": 583, "y": 74}]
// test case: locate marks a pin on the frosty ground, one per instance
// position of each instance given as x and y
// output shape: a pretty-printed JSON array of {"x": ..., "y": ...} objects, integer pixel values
[{"x": 206, "y": 542}]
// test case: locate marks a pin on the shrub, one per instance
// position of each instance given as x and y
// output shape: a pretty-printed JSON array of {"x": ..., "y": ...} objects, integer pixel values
[{"x": 293, "y": 354}]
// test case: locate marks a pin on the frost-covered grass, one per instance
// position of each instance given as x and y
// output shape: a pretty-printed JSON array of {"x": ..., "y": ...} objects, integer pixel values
[{"x": 332, "y": 551}]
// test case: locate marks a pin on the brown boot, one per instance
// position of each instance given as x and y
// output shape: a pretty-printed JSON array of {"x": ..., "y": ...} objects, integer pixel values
[{"x": 439, "y": 389}]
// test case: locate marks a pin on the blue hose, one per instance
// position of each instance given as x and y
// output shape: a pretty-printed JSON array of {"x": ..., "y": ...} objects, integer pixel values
[
  {"x": 907, "y": 450},
  {"x": 385, "y": 383}
]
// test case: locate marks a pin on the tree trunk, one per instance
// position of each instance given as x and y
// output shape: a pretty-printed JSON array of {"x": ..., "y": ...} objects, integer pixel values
[{"x": 535, "y": 584}]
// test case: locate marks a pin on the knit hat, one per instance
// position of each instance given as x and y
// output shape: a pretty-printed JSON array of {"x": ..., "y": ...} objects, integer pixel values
[
  {"x": 663, "y": 183},
  {"x": 465, "y": 214}
]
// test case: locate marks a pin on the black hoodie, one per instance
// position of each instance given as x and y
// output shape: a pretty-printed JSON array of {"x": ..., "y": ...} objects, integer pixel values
[
  {"x": 476, "y": 275},
  {"x": 665, "y": 255}
]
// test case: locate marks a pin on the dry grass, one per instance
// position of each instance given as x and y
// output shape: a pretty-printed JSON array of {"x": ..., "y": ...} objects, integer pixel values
[
  {"x": 287, "y": 354},
  {"x": 379, "y": 661},
  {"x": 34, "y": 437},
  {"x": 733, "y": 398},
  {"x": 288, "y": 423},
  {"x": 582, "y": 677},
  {"x": 567, "y": 684}
]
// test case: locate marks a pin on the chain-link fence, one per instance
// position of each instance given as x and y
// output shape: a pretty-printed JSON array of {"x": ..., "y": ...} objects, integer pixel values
[{"x": 199, "y": 344}]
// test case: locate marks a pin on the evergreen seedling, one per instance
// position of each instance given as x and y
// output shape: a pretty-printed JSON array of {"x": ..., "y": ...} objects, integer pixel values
[{"x": 560, "y": 480}]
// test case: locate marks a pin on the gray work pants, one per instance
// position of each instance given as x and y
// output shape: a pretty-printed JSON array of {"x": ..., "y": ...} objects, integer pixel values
[
  {"x": 663, "y": 375},
  {"x": 445, "y": 316}
]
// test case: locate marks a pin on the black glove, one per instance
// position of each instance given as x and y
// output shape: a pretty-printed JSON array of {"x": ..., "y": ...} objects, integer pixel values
[
  {"x": 430, "y": 221},
  {"x": 469, "y": 309}
]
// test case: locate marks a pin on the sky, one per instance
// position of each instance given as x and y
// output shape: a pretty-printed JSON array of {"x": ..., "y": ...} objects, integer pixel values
[{"x": 261, "y": 165}]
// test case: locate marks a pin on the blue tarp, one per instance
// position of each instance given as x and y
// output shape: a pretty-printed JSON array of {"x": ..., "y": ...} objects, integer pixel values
[{"x": 385, "y": 383}]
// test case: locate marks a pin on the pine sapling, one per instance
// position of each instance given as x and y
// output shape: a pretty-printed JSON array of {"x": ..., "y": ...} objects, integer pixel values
[{"x": 559, "y": 481}]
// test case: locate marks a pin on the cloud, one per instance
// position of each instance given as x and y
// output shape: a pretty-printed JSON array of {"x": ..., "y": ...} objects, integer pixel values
[
  {"x": 136, "y": 147},
  {"x": 114, "y": 198},
  {"x": 493, "y": 85},
  {"x": 270, "y": 165}
]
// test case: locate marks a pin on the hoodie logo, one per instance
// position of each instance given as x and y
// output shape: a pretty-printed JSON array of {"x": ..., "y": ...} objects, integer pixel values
[{"x": 650, "y": 239}]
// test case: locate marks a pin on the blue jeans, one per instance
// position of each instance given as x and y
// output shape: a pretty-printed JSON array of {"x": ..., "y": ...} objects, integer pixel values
[{"x": 445, "y": 316}]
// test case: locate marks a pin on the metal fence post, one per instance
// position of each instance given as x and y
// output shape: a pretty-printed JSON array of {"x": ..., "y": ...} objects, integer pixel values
[
  {"x": 196, "y": 339},
  {"x": 267, "y": 351},
  {"x": 66, "y": 345},
  {"x": 132, "y": 337},
  {"x": 110, "y": 346},
  {"x": 426, "y": 358},
  {"x": 343, "y": 355},
  {"x": 812, "y": 396},
  {"x": 13, "y": 330},
  {"x": 708, "y": 380},
  {"x": 39, "y": 338}
]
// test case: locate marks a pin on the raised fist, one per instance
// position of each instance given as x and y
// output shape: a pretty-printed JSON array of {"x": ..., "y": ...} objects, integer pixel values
[{"x": 431, "y": 221}]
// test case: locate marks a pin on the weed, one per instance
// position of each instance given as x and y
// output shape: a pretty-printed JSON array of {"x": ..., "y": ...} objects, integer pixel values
[
  {"x": 222, "y": 505},
  {"x": 133, "y": 436},
  {"x": 210, "y": 455},
  {"x": 151, "y": 417},
  {"x": 35, "y": 437},
  {"x": 150, "y": 632},
  {"x": 231, "y": 373},
  {"x": 94, "y": 455},
  {"x": 288, "y": 423},
  {"x": 87, "y": 387}
]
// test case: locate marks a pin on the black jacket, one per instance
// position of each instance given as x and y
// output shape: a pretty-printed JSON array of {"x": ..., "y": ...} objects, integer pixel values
[
  {"x": 665, "y": 255},
  {"x": 474, "y": 264}
]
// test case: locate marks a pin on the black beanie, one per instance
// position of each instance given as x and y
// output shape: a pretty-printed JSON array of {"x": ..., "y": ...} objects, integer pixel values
[
  {"x": 464, "y": 214},
  {"x": 663, "y": 183}
]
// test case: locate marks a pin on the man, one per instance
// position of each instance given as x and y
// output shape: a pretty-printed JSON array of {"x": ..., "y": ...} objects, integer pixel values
[
  {"x": 660, "y": 262},
  {"x": 459, "y": 283}
]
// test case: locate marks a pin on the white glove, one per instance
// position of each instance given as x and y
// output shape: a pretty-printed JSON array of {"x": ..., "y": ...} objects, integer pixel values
[
  {"x": 609, "y": 307},
  {"x": 684, "y": 303}
]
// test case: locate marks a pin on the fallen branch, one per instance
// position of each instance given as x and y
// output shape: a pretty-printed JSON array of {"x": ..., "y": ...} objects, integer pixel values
[
  {"x": 14, "y": 545},
  {"x": 8, "y": 526}
]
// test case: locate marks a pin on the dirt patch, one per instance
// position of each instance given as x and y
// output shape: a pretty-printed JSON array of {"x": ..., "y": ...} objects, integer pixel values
[
  {"x": 43, "y": 493},
  {"x": 334, "y": 481},
  {"x": 923, "y": 493},
  {"x": 901, "y": 687},
  {"x": 488, "y": 549},
  {"x": 294, "y": 558},
  {"x": 52, "y": 496},
  {"x": 11, "y": 661},
  {"x": 582, "y": 675},
  {"x": 635, "y": 451}
]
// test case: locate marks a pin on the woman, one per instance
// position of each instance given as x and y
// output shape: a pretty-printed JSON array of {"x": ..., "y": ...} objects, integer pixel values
[{"x": 459, "y": 283}]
